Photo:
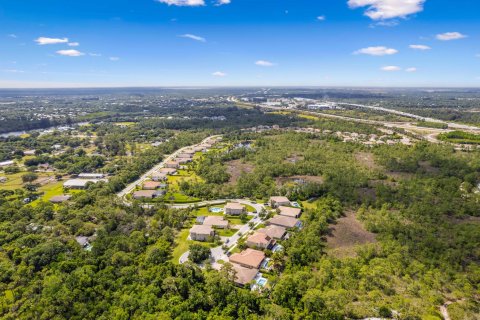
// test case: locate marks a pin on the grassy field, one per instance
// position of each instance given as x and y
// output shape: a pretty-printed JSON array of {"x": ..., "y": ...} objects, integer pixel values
[
  {"x": 460, "y": 137},
  {"x": 182, "y": 244},
  {"x": 226, "y": 232}
]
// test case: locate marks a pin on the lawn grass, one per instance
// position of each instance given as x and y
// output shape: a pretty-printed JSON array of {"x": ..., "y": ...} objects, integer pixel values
[
  {"x": 203, "y": 211},
  {"x": 182, "y": 244},
  {"x": 309, "y": 205},
  {"x": 250, "y": 208},
  {"x": 226, "y": 232},
  {"x": 14, "y": 181},
  {"x": 236, "y": 220}
]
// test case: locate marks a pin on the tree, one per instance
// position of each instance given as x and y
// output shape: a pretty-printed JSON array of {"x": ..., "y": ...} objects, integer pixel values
[
  {"x": 29, "y": 177},
  {"x": 199, "y": 253}
]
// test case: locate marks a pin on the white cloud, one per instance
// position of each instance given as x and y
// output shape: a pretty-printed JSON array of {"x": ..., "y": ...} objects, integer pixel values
[
  {"x": 11, "y": 35},
  {"x": 70, "y": 53},
  {"x": 219, "y": 74},
  {"x": 73, "y": 44},
  {"x": 264, "y": 63},
  {"x": 412, "y": 69},
  {"x": 377, "y": 51},
  {"x": 43, "y": 40},
  {"x": 183, "y": 3},
  {"x": 13, "y": 71},
  {"x": 391, "y": 68},
  {"x": 447, "y": 36},
  {"x": 222, "y": 2},
  {"x": 419, "y": 47},
  {"x": 388, "y": 9},
  {"x": 193, "y": 37},
  {"x": 114, "y": 58},
  {"x": 321, "y": 18},
  {"x": 92, "y": 54}
]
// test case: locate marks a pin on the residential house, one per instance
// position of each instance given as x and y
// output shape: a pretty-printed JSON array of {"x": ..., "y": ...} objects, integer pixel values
[
  {"x": 201, "y": 232},
  {"x": 91, "y": 175},
  {"x": 79, "y": 183},
  {"x": 29, "y": 152},
  {"x": 161, "y": 176},
  {"x": 147, "y": 194},
  {"x": 151, "y": 185},
  {"x": 7, "y": 163},
  {"x": 172, "y": 164},
  {"x": 279, "y": 201},
  {"x": 168, "y": 171},
  {"x": 248, "y": 258},
  {"x": 289, "y": 211},
  {"x": 60, "y": 199},
  {"x": 274, "y": 232},
  {"x": 216, "y": 222},
  {"x": 244, "y": 275},
  {"x": 260, "y": 241},
  {"x": 284, "y": 221},
  {"x": 234, "y": 208}
]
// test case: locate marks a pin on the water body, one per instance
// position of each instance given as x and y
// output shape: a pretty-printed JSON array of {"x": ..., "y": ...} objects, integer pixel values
[{"x": 19, "y": 133}]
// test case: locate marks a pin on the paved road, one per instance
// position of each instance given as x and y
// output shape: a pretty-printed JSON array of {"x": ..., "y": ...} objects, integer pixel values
[{"x": 128, "y": 189}]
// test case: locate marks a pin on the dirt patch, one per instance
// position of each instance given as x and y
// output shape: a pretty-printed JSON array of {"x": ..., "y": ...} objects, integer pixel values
[
  {"x": 299, "y": 179},
  {"x": 346, "y": 235},
  {"x": 367, "y": 159},
  {"x": 236, "y": 167},
  {"x": 428, "y": 168},
  {"x": 44, "y": 180},
  {"x": 295, "y": 158}
]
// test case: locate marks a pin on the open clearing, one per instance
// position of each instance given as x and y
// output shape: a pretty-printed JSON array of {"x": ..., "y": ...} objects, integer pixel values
[
  {"x": 367, "y": 159},
  {"x": 311, "y": 179},
  {"x": 236, "y": 167},
  {"x": 346, "y": 235}
]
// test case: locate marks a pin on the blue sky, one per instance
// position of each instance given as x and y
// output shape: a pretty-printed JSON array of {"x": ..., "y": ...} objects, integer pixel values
[{"x": 58, "y": 43}]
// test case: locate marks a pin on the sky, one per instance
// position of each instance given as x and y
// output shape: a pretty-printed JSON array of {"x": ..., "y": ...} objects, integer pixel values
[{"x": 106, "y": 43}]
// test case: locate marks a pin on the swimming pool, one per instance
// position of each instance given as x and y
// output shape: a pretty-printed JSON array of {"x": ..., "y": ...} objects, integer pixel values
[
  {"x": 216, "y": 210},
  {"x": 262, "y": 281}
]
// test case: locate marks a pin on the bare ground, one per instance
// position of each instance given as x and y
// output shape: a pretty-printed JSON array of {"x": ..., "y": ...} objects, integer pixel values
[
  {"x": 347, "y": 234},
  {"x": 367, "y": 159},
  {"x": 235, "y": 169},
  {"x": 313, "y": 179}
]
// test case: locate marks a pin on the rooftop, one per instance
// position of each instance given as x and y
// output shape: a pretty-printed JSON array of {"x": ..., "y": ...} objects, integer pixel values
[
  {"x": 234, "y": 206},
  {"x": 249, "y": 257},
  {"x": 284, "y": 221},
  {"x": 259, "y": 237},
  {"x": 201, "y": 229},
  {"x": 289, "y": 211}
]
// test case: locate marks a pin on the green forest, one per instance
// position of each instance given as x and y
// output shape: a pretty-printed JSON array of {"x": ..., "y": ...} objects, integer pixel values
[{"x": 421, "y": 203}]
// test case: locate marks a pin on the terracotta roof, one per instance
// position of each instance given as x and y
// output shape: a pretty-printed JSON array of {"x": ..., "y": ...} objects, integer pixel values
[
  {"x": 151, "y": 185},
  {"x": 201, "y": 229},
  {"x": 215, "y": 221},
  {"x": 259, "y": 237},
  {"x": 283, "y": 221},
  {"x": 279, "y": 199},
  {"x": 234, "y": 206},
  {"x": 145, "y": 194},
  {"x": 275, "y": 232},
  {"x": 244, "y": 275},
  {"x": 249, "y": 257},
  {"x": 289, "y": 211}
]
